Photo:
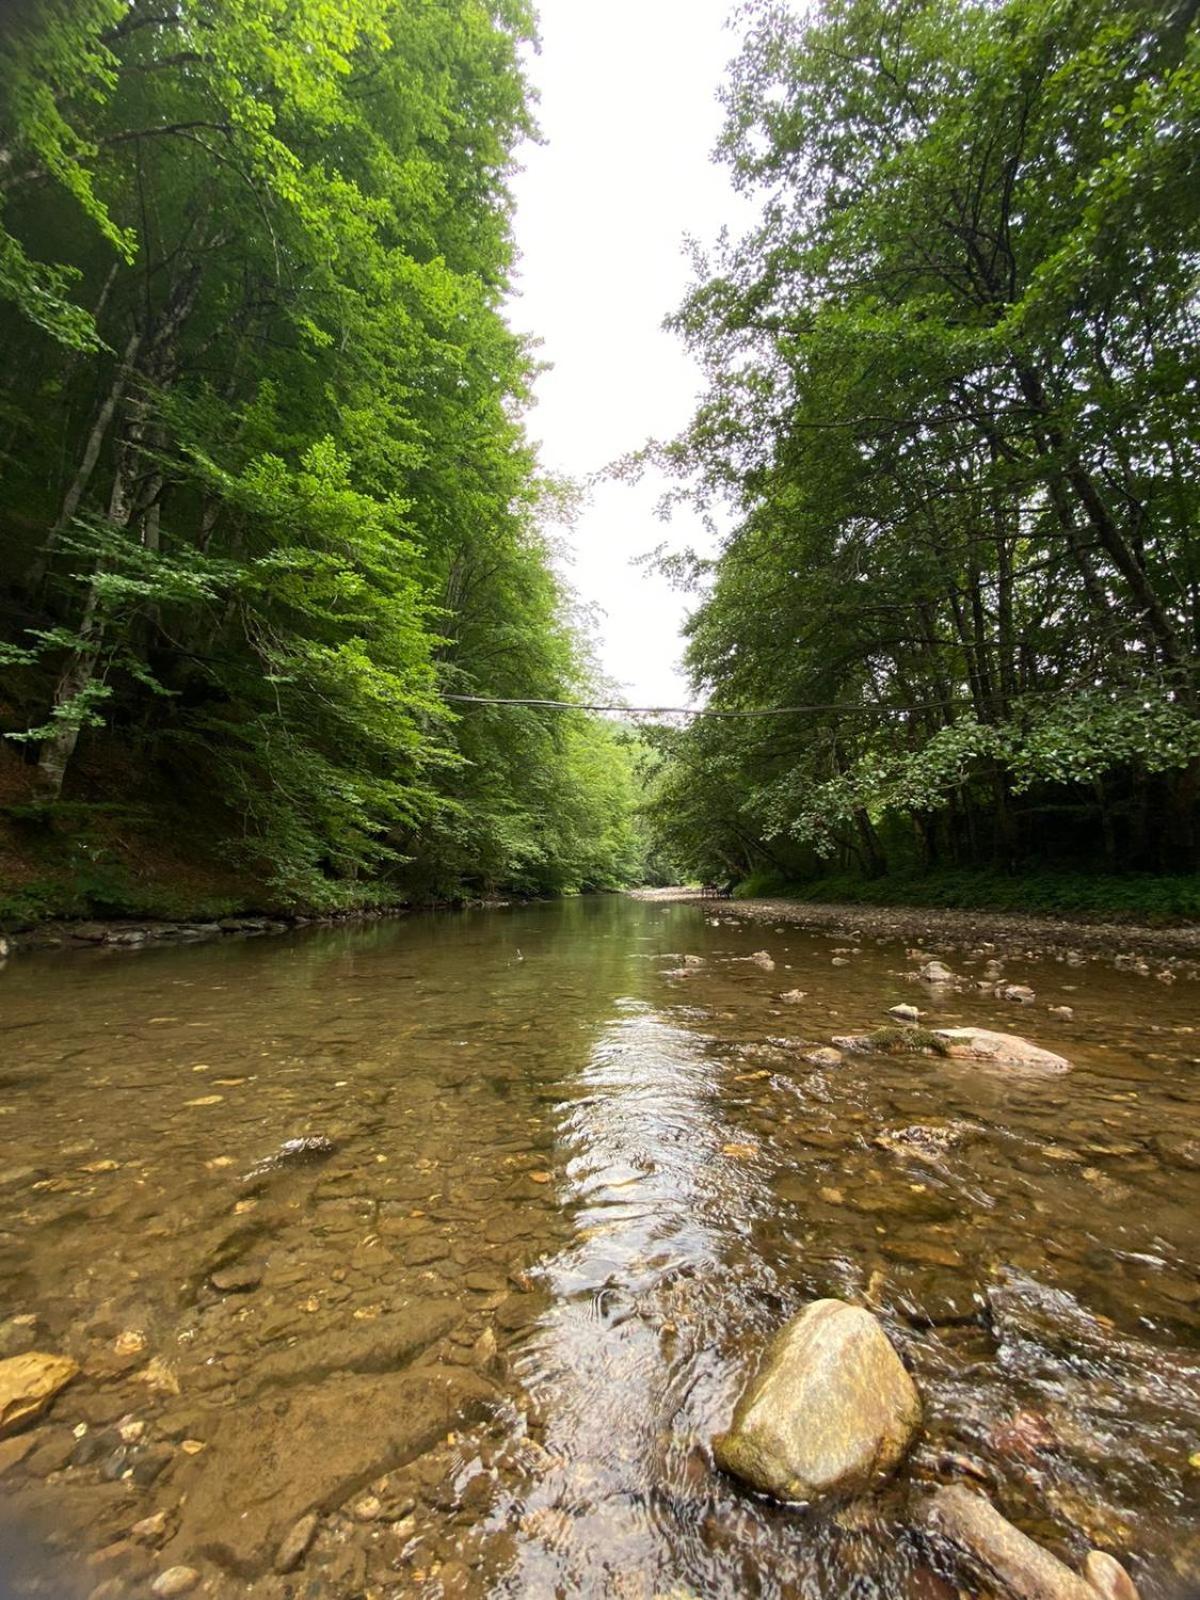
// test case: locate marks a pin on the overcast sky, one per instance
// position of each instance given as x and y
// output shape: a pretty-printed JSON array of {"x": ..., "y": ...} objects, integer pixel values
[{"x": 629, "y": 114}]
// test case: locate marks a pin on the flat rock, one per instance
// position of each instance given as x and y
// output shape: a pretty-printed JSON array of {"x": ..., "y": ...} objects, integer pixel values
[
  {"x": 1180, "y": 1149},
  {"x": 379, "y": 1345},
  {"x": 926, "y": 1141},
  {"x": 28, "y": 1383},
  {"x": 241, "y": 1278},
  {"x": 308, "y": 1450},
  {"x": 15, "y": 1450},
  {"x": 832, "y": 1410},
  {"x": 1006, "y": 1050},
  {"x": 995, "y": 1552}
]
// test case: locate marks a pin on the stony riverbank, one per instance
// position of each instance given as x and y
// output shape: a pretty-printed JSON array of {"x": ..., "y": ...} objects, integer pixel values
[
  {"x": 1033, "y": 935},
  {"x": 135, "y": 933}
]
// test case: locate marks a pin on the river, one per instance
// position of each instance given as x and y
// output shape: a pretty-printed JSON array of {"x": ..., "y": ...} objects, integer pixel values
[{"x": 557, "y": 1190}]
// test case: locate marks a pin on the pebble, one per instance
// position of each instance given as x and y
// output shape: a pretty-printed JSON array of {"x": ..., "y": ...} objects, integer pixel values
[
  {"x": 238, "y": 1279},
  {"x": 151, "y": 1528},
  {"x": 1108, "y": 1577},
  {"x": 175, "y": 1581},
  {"x": 294, "y": 1545}
]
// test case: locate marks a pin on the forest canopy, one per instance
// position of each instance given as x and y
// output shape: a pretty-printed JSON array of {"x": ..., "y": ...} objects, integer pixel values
[
  {"x": 268, "y": 497},
  {"x": 953, "y": 402}
]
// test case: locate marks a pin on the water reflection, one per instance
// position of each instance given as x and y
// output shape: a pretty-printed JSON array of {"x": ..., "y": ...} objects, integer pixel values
[{"x": 573, "y": 1181}]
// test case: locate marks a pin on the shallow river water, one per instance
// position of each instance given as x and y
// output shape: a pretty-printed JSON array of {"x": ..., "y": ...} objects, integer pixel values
[{"x": 563, "y": 1187}]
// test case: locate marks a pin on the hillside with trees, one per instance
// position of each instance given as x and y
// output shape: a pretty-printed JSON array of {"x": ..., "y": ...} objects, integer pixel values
[
  {"x": 268, "y": 498},
  {"x": 953, "y": 399}
]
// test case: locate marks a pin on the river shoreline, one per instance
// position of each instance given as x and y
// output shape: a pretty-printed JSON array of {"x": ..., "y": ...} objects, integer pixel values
[
  {"x": 1005, "y": 929},
  {"x": 135, "y": 933},
  {"x": 935, "y": 926}
]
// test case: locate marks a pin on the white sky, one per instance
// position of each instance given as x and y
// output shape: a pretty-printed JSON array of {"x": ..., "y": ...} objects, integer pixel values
[{"x": 629, "y": 114}]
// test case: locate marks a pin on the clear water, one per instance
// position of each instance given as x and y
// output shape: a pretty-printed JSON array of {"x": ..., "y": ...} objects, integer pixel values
[{"x": 613, "y": 1176}]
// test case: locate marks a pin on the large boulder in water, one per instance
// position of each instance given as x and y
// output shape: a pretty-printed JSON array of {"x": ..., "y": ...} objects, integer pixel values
[
  {"x": 831, "y": 1412},
  {"x": 1007, "y": 1050}
]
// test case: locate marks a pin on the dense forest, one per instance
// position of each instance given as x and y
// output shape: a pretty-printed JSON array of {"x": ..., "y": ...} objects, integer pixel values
[
  {"x": 953, "y": 400},
  {"x": 269, "y": 504},
  {"x": 267, "y": 495}
]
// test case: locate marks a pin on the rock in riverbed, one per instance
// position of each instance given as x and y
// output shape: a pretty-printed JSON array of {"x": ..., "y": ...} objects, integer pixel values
[
  {"x": 306, "y": 1448},
  {"x": 295, "y": 1543},
  {"x": 1108, "y": 1577},
  {"x": 831, "y": 1412},
  {"x": 1020, "y": 992},
  {"x": 999, "y": 1555},
  {"x": 28, "y": 1383},
  {"x": 1001, "y": 1050},
  {"x": 174, "y": 1581},
  {"x": 1006, "y": 1050}
]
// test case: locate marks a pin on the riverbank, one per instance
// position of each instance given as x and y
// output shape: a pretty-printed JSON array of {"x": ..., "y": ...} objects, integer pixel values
[
  {"x": 944, "y": 926},
  {"x": 133, "y": 933}
]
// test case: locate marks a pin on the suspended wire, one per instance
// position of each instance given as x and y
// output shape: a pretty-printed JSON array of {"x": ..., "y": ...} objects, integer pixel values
[
  {"x": 942, "y": 704},
  {"x": 694, "y": 711}
]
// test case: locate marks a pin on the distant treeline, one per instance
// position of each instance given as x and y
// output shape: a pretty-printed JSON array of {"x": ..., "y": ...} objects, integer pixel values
[
  {"x": 267, "y": 495},
  {"x": 953, "y": 397}
]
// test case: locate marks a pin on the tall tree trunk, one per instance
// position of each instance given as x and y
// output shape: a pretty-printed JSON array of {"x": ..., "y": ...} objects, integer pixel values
[
  {"x": 80, "y": 670},
  {"x": 87, "y": 463}
]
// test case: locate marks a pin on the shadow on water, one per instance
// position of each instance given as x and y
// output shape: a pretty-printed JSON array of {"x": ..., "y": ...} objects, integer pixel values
[{"x": 463, "y": 1231}]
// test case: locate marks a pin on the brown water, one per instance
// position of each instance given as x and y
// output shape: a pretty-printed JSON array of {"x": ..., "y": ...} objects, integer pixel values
[{"x": 573, "y": 1188}]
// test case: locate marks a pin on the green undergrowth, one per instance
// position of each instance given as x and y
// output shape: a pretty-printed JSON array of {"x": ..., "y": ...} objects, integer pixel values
[{"x": 1132, "y": 897}]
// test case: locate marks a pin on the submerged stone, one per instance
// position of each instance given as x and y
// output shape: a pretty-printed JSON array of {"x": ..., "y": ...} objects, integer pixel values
[
  {"x": 1001, "y": 1050},
  {"x": 995, "y": 1552},
  {"x": 28, "y": 1383},
  {"x": 307, "y": 1450},
  {"x": 831, "y": 1412},
  {"x": 1108, "y": 1577}
]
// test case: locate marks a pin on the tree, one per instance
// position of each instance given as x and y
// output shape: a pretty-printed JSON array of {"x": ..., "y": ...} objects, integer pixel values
[
  {"x": 948, "y": 398},
  {"x": 270, "y": 493}
]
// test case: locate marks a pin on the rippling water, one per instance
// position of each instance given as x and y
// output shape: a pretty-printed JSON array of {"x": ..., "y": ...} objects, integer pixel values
[{"x": 560, "y": 1188}]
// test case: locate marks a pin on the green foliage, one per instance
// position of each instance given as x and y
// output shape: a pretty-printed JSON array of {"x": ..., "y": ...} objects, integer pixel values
[
  {"x": 1127, "y": 897},
  {"x": 951, "y": 402},
  {"x": 269, "y": 488}
]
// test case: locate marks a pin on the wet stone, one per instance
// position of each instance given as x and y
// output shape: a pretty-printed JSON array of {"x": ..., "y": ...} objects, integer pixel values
[
  {"x": 28, "y": 1386},
  {"x": 832, "y": 1410},
  {"x": 295, "y": 1543}
]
